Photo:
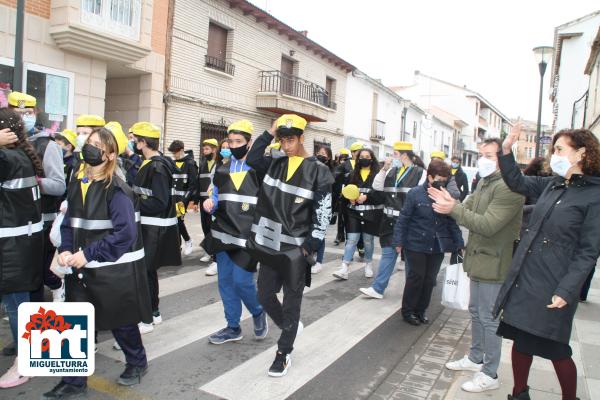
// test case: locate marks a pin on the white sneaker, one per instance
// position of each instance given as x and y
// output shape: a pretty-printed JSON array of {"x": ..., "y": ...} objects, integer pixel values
[
  {"x": 205, "y": 258},
  {"x": 342, "y": 273},
  {"x": 188, "y": 247},
  {"x": 157, "y": 319},
  {"x": 370, "y": 292},
  {"x": 464, "y": 364},
  {"x": 12, "y": 378},
  {"x": 480, "y": 383},
  {"x": 116, "y": 346},
  {"x": 145, "y": 328},
  {"x": 58, "y": 295},
  {"x": 368, "y": 270},
  {"x": 212, "y": 269},
  {"x": 315, "y": 269}
]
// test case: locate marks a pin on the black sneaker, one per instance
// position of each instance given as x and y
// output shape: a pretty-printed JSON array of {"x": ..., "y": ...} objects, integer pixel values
[
  {"x": 412, "y": 319},
  {"x": 64, "y": 391},
  {"x": 9, "y": 350},
  {"x": 132, "y": 375},
  {"x": 423, "y": 319},
  {"x": 524, "y": 395},
  {"x": 280, "y": 365}
]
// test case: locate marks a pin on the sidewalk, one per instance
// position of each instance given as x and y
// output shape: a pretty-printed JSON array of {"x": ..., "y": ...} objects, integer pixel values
[{"x": 421, "y": 373}]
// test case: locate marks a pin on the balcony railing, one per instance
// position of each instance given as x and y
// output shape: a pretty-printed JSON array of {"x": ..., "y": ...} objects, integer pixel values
[
  {"x": 279, "y": 82},
  {"x": 219, "y": 65},
  {"x": 377, "y": 130}
]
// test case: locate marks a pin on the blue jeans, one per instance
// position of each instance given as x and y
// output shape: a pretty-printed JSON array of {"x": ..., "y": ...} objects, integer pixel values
[
  {"x": 236, "y": 285},
  {"x": 386, "y": 268},
  {"x": 11, "y": 302},
  {"x": 352, "y": 241},
  {"x": 321, "y": 251}
]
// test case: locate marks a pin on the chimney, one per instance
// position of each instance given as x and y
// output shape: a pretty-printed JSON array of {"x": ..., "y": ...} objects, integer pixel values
[{"x": 304, "y": 33}]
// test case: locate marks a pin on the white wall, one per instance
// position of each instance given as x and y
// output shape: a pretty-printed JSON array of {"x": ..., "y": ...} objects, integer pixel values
[{"x": 573, "y": 82}]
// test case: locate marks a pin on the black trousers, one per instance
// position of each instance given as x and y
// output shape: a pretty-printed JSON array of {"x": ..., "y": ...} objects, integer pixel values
[
  {"x": 421, "y": 278},
  {"x": 287, "y": 315},
  {"x": 130, "y": 340},
  {"x": 182, "y": 229},
  {"x": 341, "y": 227},
  {"x": 205, "y": 221},
  {"x": 50, "y": 280},
  {"x": 153, "y": 286}
]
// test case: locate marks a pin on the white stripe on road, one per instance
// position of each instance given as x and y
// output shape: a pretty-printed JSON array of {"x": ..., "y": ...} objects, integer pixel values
[
  {"x": 320, "y": 344},
  {"x": 179, "y": 331},
  {"x": 185, "y": 281}
]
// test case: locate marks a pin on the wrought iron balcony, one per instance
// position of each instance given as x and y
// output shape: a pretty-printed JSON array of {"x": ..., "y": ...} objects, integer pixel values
[
  {"x": 377, "y": 130},
  {"x": 279, "y": 82},
  {"x": 219, "y": 65}
]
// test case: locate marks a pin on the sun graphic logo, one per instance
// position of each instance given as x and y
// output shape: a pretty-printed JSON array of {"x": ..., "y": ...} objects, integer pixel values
[{"x": 56, "y": 339}]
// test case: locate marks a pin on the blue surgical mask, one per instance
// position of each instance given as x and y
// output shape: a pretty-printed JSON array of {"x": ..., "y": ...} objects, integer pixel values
[
  {"x": 131, "y": 145},
  {"x": 455, "y": 165},
  {"x": 396, "y": 163},
  {"x": 225, "y": 153},
  {"x": 29, "y": 122}
]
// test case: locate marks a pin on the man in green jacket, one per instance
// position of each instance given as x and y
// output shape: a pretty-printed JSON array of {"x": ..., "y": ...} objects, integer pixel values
[{"x": 492, "y": 214}]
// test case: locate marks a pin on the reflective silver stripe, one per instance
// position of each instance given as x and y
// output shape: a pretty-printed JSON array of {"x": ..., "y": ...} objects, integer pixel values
[
  {"x": 227, "y": 238},
  {"x": 205, "y": 194},
  {"x": 179, "y": 192},
  {"x": 209, "y": 175},
  {"x": 238, "y": 197},
  {"x": 28, "y": 230},
  {"x": 391, "y": 212},
  {"x": 365, "y": 207},
  {"x": 396, "y": 189},
  {"x": 141, "y": 190},
  {"x": 180, "y": 176},
  {"x": 268, "y": 234},
  {"x": 125, "y": 258},
  {"x": 19, "y": 183},
  {"x": 96, "y": 224},
  {"x": 364, "y": 190},
  {"x": 284, "y": 187},
  {"x": 48, "y": 217},
  {"x": 159, "y": 221}
]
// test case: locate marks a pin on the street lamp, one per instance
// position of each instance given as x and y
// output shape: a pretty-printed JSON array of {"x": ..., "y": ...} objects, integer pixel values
[{"x": 543, "y": 55}]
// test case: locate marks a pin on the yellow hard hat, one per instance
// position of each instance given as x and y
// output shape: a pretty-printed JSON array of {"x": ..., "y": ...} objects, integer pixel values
[
  {"x": 403, "y": 146},
  {"x": 145, "y": 129},
  {"x": 351, "y": 192},
  {"x": 117, "y": 130},
  {"x": 275, "y": 146},
  {"x": 243, "y": 126},
  {"x": 357, "y": 146},
  {"x": 291, "y": 121},
  {"x": 438, "y": 154},
  {"x": 211, "y": 142},
  {"x": 90, "y": 120},
  {"x": 345, "y": 152},
  {"x": 69, "y": 136},
  {"x": 21, "y": 100}
]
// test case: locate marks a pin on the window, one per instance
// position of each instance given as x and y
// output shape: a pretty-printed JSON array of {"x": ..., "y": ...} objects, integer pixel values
[
  {"x": 52, "y": 89},
  {"x": 120, "y": 17},
  {"x": 213, "y": 130},
  {"x": 216, "y": 52},
  {"x": 414, "y": 129},
  {"x": 330, "y": 86}
]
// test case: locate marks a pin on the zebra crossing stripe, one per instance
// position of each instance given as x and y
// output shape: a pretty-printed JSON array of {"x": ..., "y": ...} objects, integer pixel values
[
  {"x": 320, "y": 344},
  {"x": 188, "y": 280},
  {"x": 177, "y": 332}
]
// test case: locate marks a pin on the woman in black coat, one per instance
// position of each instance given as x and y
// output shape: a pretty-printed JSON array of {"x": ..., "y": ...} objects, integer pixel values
[{"x": 559, "y": 248}]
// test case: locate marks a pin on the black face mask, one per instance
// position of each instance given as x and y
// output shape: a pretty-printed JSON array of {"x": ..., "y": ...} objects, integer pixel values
[
  {"x": 239, "y": 152},
  {"x": 322, "y": 158},
  {"x": 343, "y": 159},
  {"x": 439, "y": 184},
  {"x": 364, "y": 162},
  {"x": 92, "y": 155},
  {"x": 209, "y": 157}
]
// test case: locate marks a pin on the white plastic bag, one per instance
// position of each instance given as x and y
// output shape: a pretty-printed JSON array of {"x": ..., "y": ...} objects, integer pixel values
[
  {"x": 457, "y": 291},
  {"x": 55, "y": 231}
]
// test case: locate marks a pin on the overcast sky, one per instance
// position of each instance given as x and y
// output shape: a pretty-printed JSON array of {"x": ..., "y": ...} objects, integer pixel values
[{"x": 483, "y": 44}]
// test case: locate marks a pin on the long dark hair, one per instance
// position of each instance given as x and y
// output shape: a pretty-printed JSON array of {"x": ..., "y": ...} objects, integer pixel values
[
  {"x": 330, "y": 164},
  {"x": 355, "y": 178},
  {"x": 414, "y": 158},
  {"x": 218, "y": 156},
  {"x": 536, "y": 167},
  {"x": 12, "y": 120}
]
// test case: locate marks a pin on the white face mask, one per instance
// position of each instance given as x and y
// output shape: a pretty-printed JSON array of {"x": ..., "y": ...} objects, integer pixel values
[
  {"x": 485, "y": 167},
  {"x": 560, "y": 164},
  {"x": 81, "y": 139}
]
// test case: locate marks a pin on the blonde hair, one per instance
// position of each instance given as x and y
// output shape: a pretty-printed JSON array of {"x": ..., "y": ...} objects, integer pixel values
[{"x": 110, "y": 147}]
